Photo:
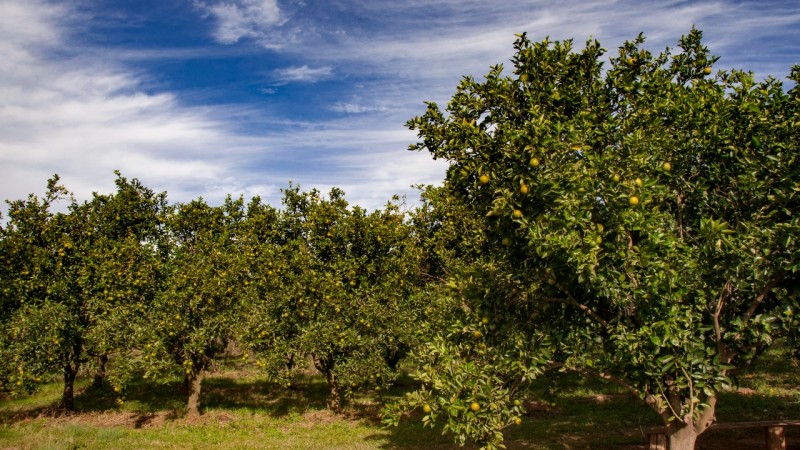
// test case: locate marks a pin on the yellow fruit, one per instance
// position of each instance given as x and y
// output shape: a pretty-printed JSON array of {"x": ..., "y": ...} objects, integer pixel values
[
  {"x": 484, "y": 179},
  {"x": 517, "y": 402},
  {"x": 517, "y": 214},
  {"x": 523, "y": 189},
  {"x": 485, "y": 320},
  {"x": 634, "y": 200},
  {"x": 707, "y": 71},
  {"x": 477, "y": 334},
  {"x": 551, "y": 281},
  {"x": 534, "y": 162},
  {"x": 666, "y": 166},
  {"x": 474, "y": 406},
  {"x": 517, "y": 421},
  {"x": 426, "y": 408},
  {"x": 615, "y": 177},
  {"x": 638, "y": 181}
]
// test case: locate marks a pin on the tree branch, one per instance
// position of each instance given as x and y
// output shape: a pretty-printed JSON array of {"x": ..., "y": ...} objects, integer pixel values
[
  {"x": 570, "y": 300},
  {"x": 723, "y": 295},
  {"x": 762, "y": 294}
]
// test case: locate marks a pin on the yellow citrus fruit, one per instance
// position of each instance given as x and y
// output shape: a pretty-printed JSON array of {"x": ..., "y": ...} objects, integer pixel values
[
  {"x": 517, "y": 421},
  {"x": 534, "y": 162},
  {"x": 427, "y": 408},
  {"x": 634, "y": 200},
  {"x": 474, "y": 406},
  {"x": 517, "y": 214},
  {"x": 615, "y": 177},
  {"x": 666, "y": 166},
  {"x": 638, "y": 181},
  {"x": 707, "y": 71},
  {"x": 523, "y": 189},
  {"x": 484, "y": 179}
]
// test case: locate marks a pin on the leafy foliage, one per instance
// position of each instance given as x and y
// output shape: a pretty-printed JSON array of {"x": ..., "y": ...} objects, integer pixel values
[{"x": 651, "y": 205}]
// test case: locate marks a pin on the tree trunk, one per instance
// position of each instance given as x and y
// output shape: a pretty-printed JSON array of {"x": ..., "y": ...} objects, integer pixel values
[
  {"x": 682, "y": 438},
  {"x": 68, "y": 397},
  {"x": 335, "y": 398},
  {"x": 195, "y": 384},
  {"x": 100, "y": 375}
]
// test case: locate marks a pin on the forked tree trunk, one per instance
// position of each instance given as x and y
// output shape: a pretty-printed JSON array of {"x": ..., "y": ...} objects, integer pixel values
[
  {"x": 684, "y": 437},
  {"x": 326, "y": 365},
  {"x": 195, "y": 384}
]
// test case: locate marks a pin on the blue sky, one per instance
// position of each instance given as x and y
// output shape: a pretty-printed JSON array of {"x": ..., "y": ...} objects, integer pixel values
[{"x": 215, "y": 97}]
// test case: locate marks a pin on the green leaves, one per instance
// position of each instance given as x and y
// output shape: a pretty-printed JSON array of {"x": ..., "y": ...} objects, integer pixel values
[{"x": 691, "y": 177}]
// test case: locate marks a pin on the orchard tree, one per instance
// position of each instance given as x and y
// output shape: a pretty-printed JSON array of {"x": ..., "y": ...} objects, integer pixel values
[
  {"x": 196, "y": 313},
  {"x": 123, "y": 266},
  {"x": 476, "y": 359},
  {"x": 61, "y": 303},
  {"x": 651, "y": 205},
  {"x": 341, "y": 272},
  {"x": 35, "y": 296}
]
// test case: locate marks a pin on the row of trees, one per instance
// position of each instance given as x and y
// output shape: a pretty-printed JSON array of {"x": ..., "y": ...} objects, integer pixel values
[
  {"x": 637, "y": 222},
  {"x": 162, "y": 288}
]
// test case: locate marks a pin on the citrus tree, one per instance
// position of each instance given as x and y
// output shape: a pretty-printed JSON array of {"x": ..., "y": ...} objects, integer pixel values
[
  {"x": 340, "y": 272},
  {"x": 475, "y": 360},
  {"x": 651, "y": 205},
  {"x": 192, "y": 319},
  {"x": 72, "y": 280}
]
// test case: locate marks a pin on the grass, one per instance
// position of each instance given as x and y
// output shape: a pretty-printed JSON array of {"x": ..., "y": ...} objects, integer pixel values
[{"x": 244, "y": 411}]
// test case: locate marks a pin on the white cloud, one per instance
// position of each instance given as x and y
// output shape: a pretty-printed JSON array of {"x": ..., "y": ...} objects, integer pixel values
[
  {"x": 83, "y": 115},
  {"x": 357, "y": 107},
  {"x": 241, "y": 19},
  {"x": 303, "y": 74}
]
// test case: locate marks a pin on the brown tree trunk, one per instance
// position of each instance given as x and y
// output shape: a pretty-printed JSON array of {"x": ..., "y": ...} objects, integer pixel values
[
  {"x": 335, "y": 397},
  {"x": 68, "y": 396},
  {"x": 100, "y": 375},
  {"x": 196, "y": 382},
  {"x": 682, "y": 438}
]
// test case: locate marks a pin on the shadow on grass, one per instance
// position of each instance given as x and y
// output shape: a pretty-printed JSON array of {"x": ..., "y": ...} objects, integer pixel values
[{"x": 577, "y": 412}]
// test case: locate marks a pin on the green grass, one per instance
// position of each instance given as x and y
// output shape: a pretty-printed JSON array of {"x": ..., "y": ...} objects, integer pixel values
[{"x": 244, "y": 411}]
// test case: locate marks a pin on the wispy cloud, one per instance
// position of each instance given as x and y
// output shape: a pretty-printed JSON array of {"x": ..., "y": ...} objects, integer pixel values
[
  {"x": 304, "y": 74},
  {"x": 242, "y": 19},
  {"x": 85, "y": 112},
  {"x": 357, "y": 108}
]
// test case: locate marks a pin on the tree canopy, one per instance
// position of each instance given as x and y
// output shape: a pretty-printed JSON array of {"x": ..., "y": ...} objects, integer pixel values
[{"x": 648, "y": 208}]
